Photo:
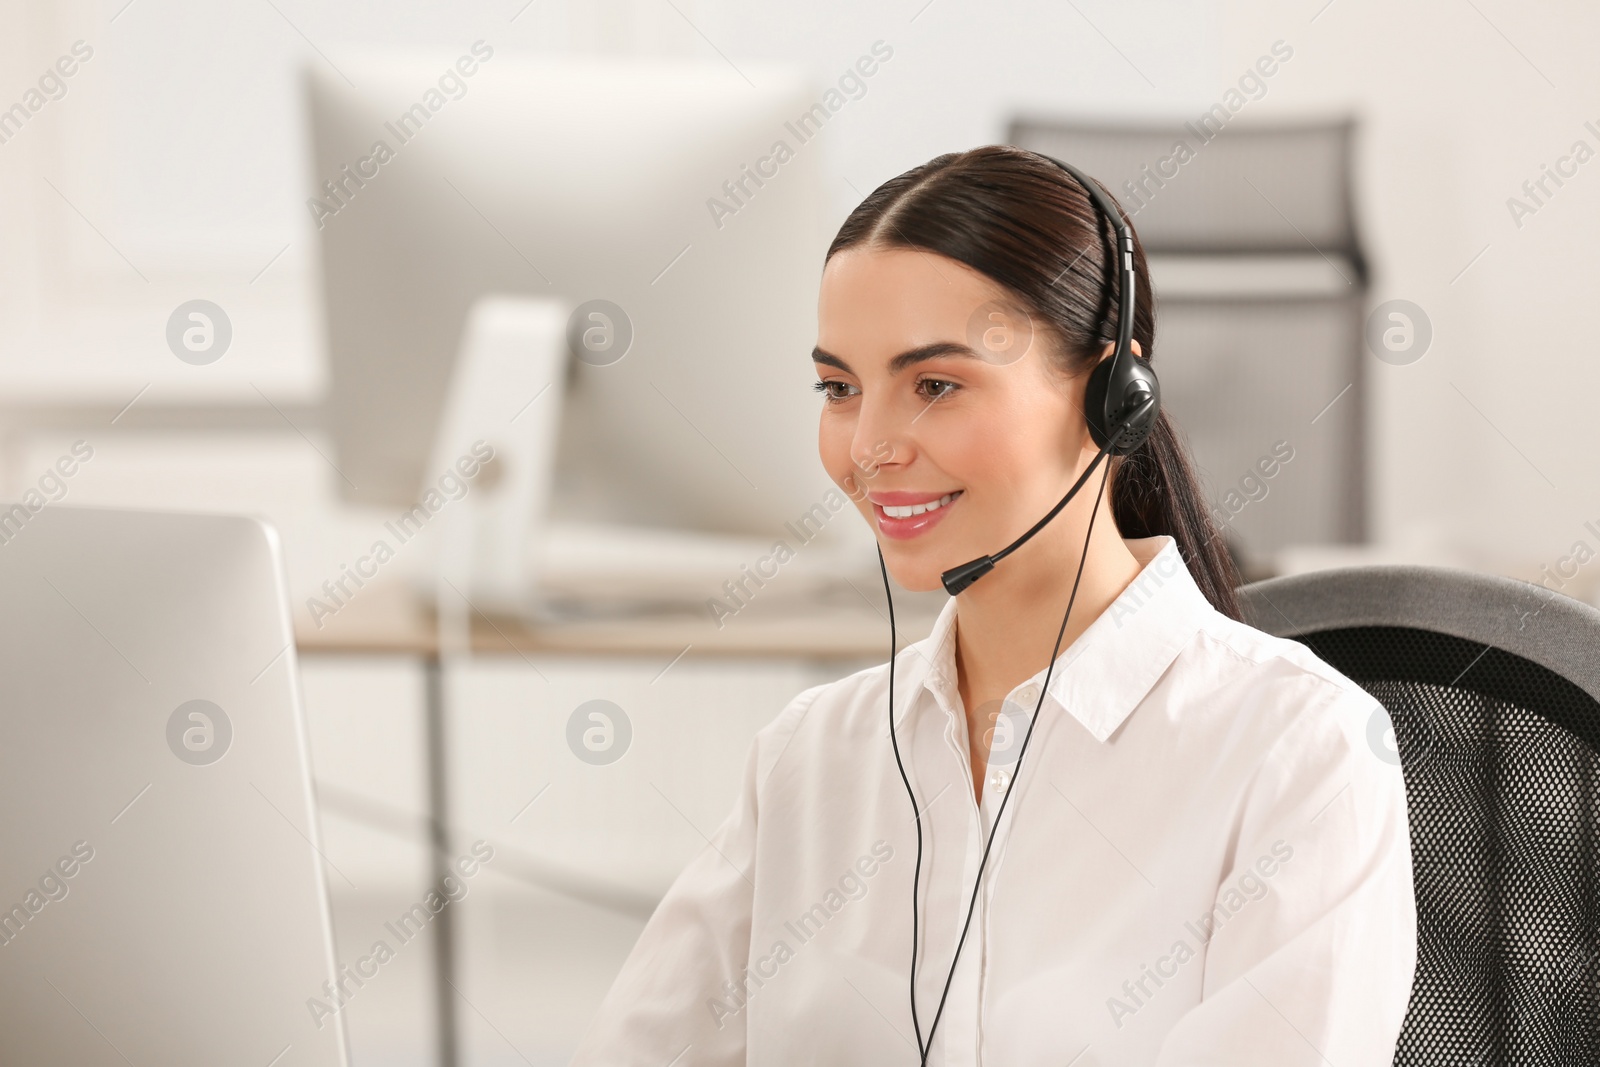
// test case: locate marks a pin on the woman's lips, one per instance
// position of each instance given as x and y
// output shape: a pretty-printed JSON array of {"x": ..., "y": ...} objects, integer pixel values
[{"x": 902, "y": 529}]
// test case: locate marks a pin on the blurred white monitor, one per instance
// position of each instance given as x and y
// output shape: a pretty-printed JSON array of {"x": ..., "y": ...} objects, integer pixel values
[
  {"x": 160, "y": 878},
  {"x": 497, "y": 547},
  {"x": 657, "y": 187}
]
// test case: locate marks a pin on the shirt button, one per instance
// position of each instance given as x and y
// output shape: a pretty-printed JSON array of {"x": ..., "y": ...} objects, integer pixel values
[
  {"x": 999, "y": 781},
  {"x": 1028, "y": 694}
]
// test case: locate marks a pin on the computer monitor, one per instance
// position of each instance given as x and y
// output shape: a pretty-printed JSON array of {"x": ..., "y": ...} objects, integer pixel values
[
  {"x": 161, "y": 887},
  {"x": 657, "y": 187}
]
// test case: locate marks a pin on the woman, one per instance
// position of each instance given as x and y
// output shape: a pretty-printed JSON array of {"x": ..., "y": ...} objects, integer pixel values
[{"x": 1202, "y": 861}]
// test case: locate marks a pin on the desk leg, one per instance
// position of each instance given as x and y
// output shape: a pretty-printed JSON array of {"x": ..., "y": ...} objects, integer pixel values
[{"x": 444, "y": 934}]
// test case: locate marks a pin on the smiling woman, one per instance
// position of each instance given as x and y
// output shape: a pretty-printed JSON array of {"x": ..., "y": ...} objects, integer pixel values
[{"x": 964, "y": 310}]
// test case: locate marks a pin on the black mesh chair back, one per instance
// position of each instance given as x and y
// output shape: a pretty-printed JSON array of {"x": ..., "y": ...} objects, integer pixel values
[{"x": 1493, "y": 689}]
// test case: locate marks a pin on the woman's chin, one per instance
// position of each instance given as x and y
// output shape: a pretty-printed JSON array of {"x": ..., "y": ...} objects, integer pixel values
[
  {"x": 917, "y": 578},
  {"x": 918, "y": 564},
  {"x": 926, "y": 586}
]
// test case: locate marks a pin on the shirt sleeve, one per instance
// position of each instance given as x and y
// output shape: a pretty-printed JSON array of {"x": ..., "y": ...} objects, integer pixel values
[
  {"x": 679, "y": 998},
  {"x": 1313, "y": 936}
]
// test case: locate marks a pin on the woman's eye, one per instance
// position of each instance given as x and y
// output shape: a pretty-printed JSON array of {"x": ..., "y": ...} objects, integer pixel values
[
  {"x": 827, "y": 389},
  {"x": 931, "y": 388}
]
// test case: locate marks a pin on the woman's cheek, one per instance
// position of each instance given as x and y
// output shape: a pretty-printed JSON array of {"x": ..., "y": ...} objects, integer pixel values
[
  {"x": 849, "y": 484},
  {"x": 842, "y": 473}
]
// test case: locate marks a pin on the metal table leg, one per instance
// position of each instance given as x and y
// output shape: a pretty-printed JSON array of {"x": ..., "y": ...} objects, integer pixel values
[{"x": 444, "y": 934}]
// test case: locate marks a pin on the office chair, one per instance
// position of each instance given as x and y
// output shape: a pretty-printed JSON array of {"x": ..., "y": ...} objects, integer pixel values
[
  {"x": 1493, "y": 689},
  {"x": 1255, "y": 249}
]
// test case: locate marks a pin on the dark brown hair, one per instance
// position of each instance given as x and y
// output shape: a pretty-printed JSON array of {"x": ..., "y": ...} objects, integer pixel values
[{"x": 1019, "y": 219}]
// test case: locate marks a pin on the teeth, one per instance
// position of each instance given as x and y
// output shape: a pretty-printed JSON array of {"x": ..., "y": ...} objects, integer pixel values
[{"x": 907, "y": 510}]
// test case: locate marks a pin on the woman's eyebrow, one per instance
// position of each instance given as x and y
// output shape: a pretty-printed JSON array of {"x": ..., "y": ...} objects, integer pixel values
[{"x": 904, "y": 359}]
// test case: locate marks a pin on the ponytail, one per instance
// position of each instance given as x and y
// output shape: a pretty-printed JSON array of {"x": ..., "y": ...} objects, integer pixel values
[{"x": 1154, "y": 491}]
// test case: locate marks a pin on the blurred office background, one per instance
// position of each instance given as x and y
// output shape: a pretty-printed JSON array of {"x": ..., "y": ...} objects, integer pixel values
[{"x": 1380, "y": 258}]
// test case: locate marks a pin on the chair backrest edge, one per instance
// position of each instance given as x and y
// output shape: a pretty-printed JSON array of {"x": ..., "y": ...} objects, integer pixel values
[{"x": 1527, "y": 620}]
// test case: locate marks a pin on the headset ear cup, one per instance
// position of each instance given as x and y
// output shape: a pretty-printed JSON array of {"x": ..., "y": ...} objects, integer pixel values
[
  {"x": 1094, "y": 402},
  {"x": 1137, "y": 377},
  {"x": 1140, "y": 371}
]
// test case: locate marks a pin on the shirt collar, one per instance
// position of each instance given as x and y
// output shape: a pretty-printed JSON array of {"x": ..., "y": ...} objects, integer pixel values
[{"x": 1104, "y": 674}]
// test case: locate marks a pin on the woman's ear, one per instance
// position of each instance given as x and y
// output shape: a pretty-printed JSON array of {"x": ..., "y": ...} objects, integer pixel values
[{"x": 1111, "y": 346}]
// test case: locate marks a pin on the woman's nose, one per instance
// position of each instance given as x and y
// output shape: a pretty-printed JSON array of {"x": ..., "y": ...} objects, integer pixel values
[{"x": 883, "y": 436}]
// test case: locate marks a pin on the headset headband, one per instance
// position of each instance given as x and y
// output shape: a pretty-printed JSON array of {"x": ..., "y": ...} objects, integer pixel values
[{"x": 1128, "y": 290}]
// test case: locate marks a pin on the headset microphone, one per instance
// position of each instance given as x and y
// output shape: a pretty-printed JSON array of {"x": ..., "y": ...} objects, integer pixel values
[
  {"x": 958, "y": 578},
  {"x": 1120, "y": 402}
]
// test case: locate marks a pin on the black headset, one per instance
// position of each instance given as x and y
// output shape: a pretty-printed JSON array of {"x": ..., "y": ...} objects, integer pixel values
[
  {"x": 1121, "y": 401},
  {"x": 1121, "y": 404}
]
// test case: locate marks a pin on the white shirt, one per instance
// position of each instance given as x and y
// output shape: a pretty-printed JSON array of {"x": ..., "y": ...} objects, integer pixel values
[{"x": 1207, "y": 861}]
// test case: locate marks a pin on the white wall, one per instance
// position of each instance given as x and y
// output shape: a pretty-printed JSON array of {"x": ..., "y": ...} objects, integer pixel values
[{"x": 181, "y": 141}]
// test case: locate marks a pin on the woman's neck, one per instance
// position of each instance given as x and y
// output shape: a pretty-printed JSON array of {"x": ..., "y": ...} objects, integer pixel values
[{"x": 1006, "y": 623}]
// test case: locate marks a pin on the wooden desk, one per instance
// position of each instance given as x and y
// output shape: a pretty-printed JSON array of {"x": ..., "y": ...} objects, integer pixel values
[{"x": 391, "y": 618}]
